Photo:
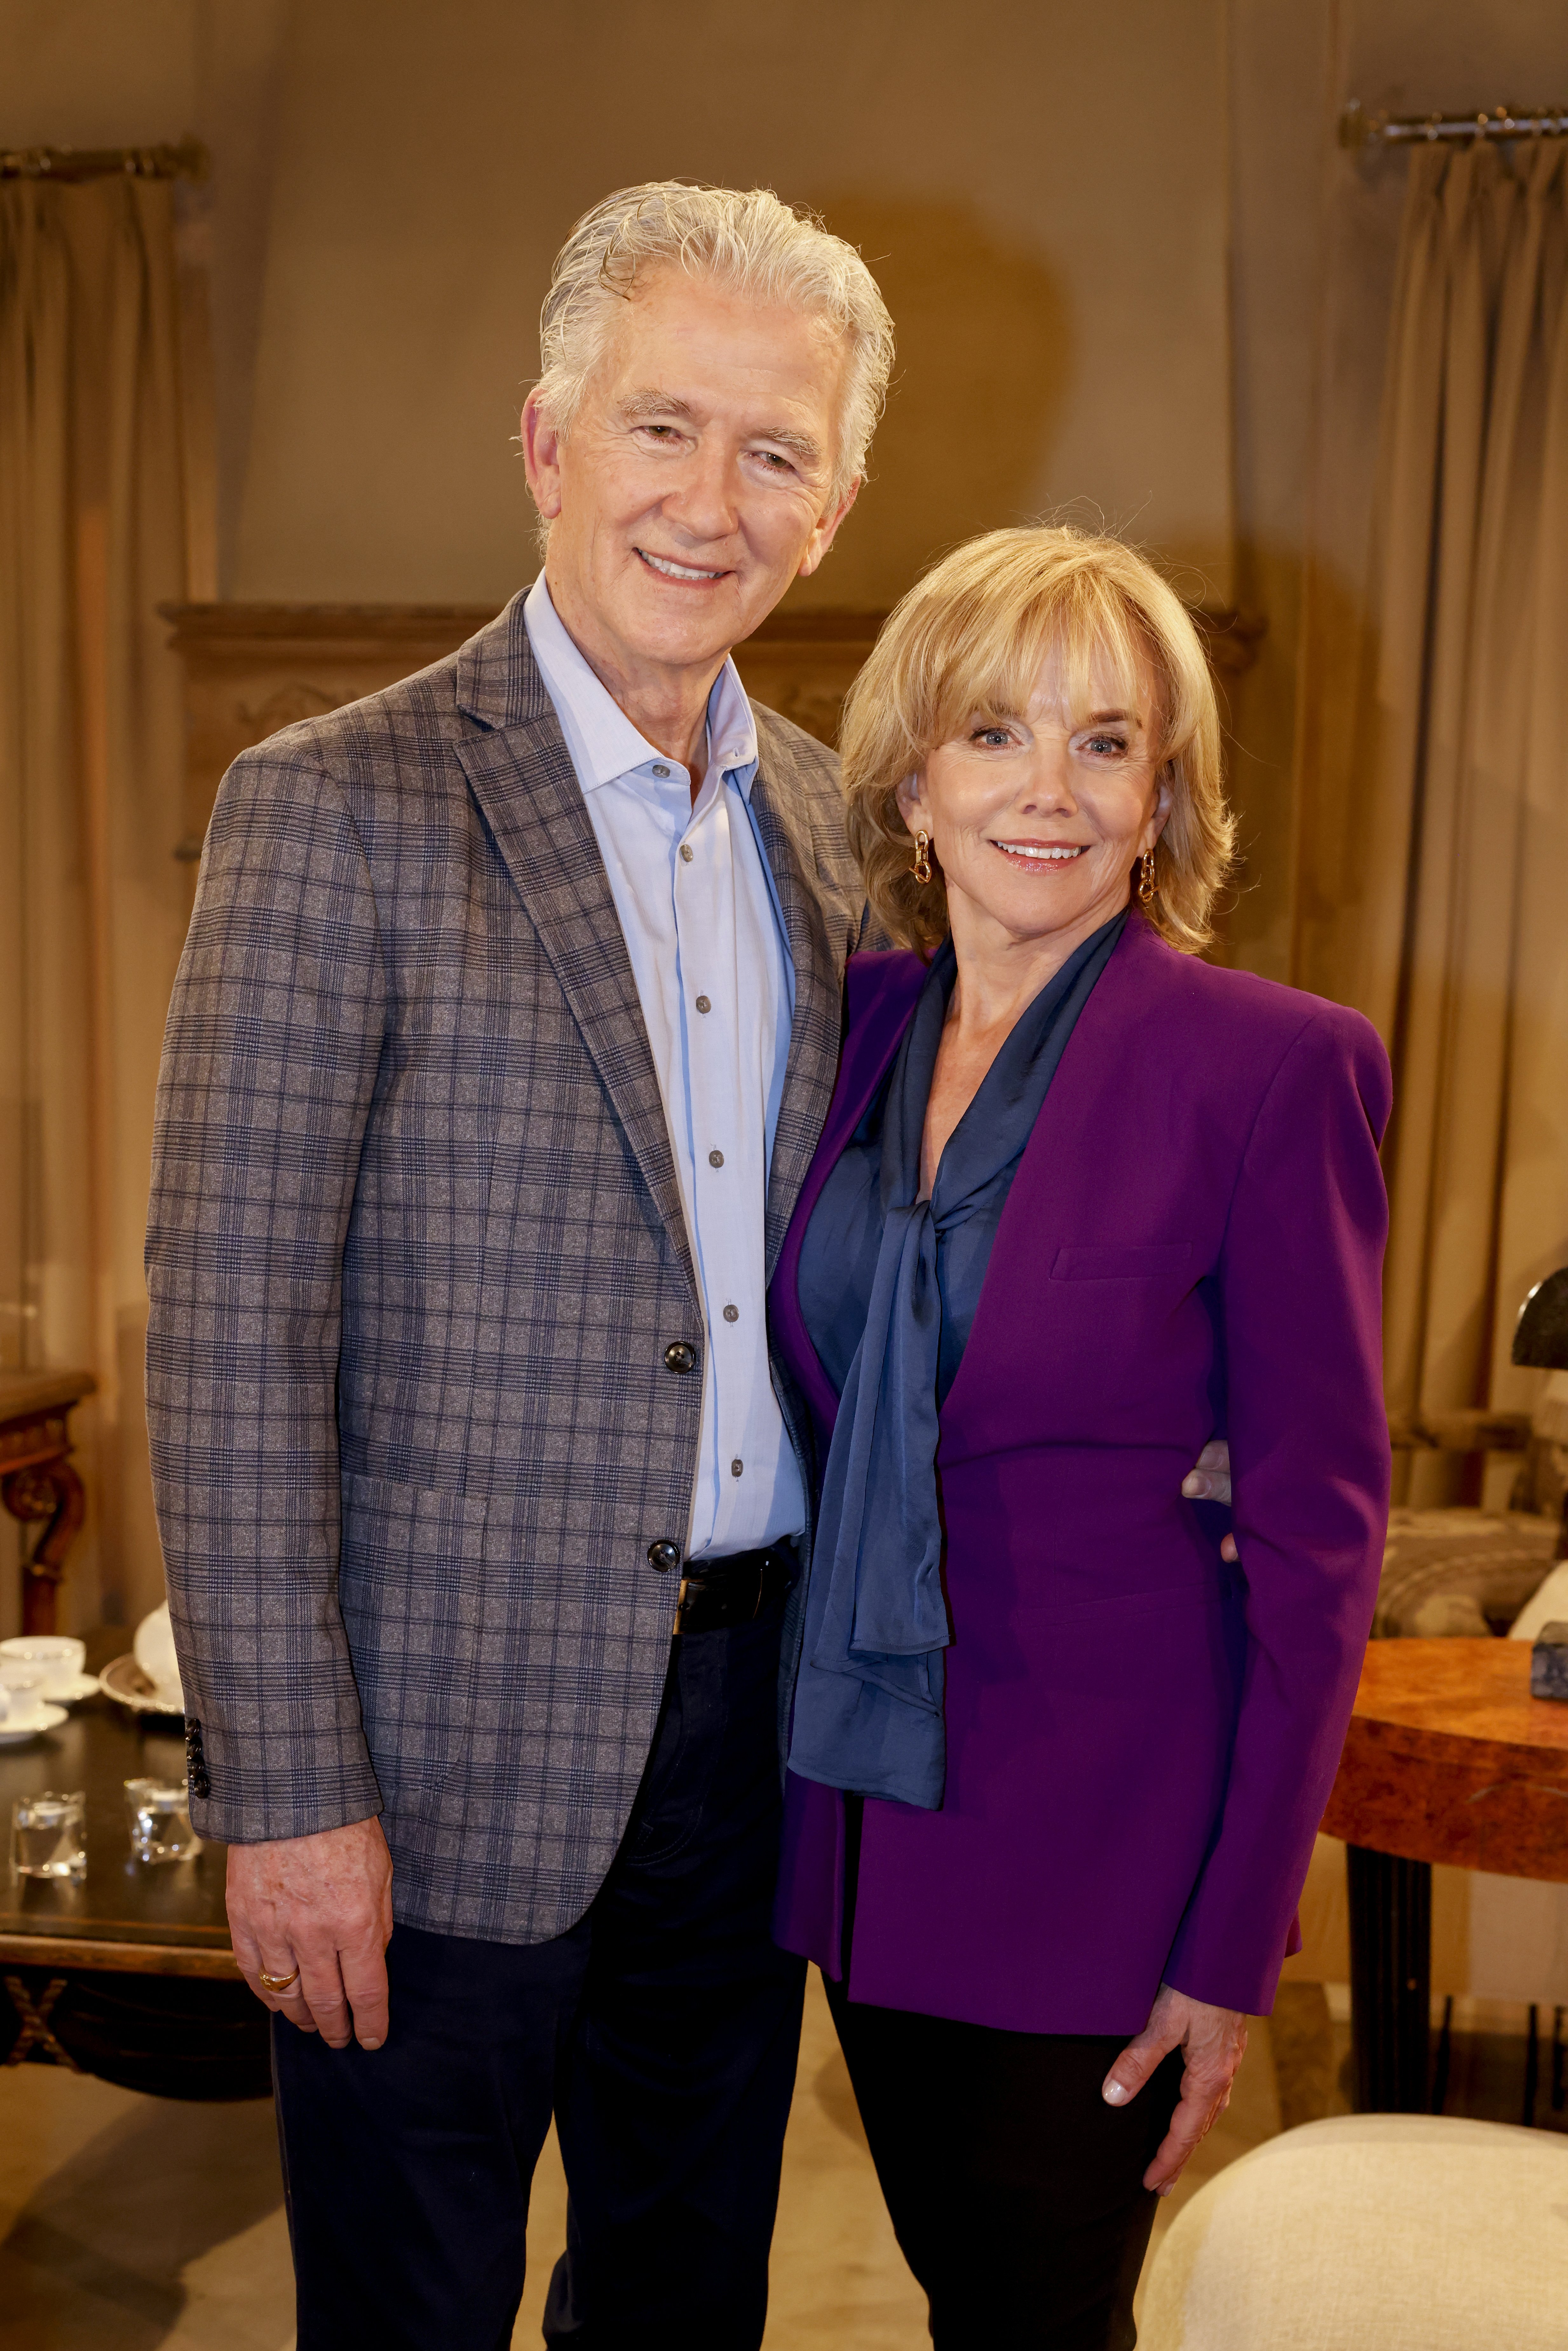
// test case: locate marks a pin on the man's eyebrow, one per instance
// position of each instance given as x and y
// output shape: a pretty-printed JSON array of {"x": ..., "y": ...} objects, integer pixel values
[
  {"x": 801, "y": 445},
  {"x": 638, "y": 406}
]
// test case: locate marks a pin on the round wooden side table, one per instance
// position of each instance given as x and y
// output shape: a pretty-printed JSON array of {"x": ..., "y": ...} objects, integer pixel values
[{"x": 1449, "y": 1759}]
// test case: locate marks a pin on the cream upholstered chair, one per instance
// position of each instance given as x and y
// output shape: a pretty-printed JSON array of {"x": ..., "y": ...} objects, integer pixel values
[
  {"x": 1463, "y": 1573},
  {"x": 1371, "y": 2233},
  {"x": 1466, "y": 1573}
]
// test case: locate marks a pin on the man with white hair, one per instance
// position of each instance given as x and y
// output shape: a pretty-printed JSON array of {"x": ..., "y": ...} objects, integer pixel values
[{"x": 504, "y": 1033}]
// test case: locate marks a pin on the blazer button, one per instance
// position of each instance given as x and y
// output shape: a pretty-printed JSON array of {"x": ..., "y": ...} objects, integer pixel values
[
  {"x": 680, "y": 1355},
  {"x": 663, "y": 1555}
]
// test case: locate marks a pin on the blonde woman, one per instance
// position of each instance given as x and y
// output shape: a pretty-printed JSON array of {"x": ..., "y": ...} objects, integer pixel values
[{"x": 1083, "y": 1203}]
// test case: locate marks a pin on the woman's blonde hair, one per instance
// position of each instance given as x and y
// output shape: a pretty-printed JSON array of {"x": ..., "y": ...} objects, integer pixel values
[{"x": 968, "y": 641}]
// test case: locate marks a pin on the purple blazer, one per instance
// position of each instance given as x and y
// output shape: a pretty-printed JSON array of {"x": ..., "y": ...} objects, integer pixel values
[{"x": 1140, "y": 1739}]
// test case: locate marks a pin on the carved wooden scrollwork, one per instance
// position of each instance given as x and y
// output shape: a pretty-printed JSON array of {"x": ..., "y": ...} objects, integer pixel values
[{"x": 52, "y": 1492}]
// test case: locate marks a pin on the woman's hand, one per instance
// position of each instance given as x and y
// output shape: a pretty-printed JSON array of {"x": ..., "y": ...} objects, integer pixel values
[
  {"x": 1215, "y": 2041},
  {"x": 1208, "y": 1480}
]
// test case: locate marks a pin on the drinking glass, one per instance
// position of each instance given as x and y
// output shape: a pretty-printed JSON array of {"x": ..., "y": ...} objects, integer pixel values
[
  {"x": 160, "y": 1824},
  {"x": 49, "y": 1835}
]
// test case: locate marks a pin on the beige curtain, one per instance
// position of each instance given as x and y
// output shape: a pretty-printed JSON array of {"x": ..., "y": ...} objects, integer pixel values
[
  {"x": 1433, "y": 875},
  {"x": 99, "y": 520}
]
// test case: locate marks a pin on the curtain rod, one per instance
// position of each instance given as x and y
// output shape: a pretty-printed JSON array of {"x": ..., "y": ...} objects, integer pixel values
[
  {"x": 1359, "y": 129},
  {"x": 188, "y": 160}
]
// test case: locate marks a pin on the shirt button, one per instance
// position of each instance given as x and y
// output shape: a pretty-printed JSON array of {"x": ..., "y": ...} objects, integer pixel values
[
  {"x": 660, "y": 769},
  {"x": 731, "y": 1313},
  {"x": 704, "y": 1005},
  {"x": 736, "y": 1467},
  {"x": 685, "y": 852},
  {"x": 716, "y": 1159}
]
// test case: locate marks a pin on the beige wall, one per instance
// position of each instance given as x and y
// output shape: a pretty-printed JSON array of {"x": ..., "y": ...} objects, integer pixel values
[
  {"x": 1041, "y": 190},
  {"x": 1055, "y": 262}
]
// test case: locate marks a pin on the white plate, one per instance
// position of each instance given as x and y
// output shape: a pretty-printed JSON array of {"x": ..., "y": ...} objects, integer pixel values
[
  {"x": 124, "y": 1680},
  {"x": 48, "y": 1718}
]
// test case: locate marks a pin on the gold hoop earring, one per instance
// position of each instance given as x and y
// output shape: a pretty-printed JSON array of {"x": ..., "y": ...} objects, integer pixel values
[
  {"x": 921, "y": 868},
  {"x": 1146, "y": 884}
]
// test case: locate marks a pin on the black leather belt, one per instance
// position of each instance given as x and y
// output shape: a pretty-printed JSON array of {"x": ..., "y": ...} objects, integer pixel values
[{"x": 718, "y": 1592}]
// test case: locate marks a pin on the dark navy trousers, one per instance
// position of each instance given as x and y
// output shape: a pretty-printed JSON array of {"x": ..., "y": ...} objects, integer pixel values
[{"x": 662, "y": 2031}]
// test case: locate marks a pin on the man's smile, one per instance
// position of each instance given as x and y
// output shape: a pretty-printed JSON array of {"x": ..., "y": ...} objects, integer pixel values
[{"x": 669, "y": 569}]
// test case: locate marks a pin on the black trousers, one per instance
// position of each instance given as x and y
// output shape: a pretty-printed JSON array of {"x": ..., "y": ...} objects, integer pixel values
[
  {"x": 662, "y": 2031},
  {"x": 1015, "y": 2191}
]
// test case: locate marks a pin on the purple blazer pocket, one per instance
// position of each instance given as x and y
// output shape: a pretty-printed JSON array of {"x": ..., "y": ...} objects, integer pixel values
[{"x": 1151, "y": 1262}]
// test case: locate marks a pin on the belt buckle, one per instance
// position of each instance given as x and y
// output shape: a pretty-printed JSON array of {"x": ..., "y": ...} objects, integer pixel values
[{"x": 768, "y": 1564}]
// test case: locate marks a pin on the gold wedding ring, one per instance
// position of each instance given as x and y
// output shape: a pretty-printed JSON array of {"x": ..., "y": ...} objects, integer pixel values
[{"x": 277, "y": 1983}]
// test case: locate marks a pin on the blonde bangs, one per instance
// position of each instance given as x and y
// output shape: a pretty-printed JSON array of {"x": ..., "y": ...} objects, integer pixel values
[{"x": 969, "y": 643}]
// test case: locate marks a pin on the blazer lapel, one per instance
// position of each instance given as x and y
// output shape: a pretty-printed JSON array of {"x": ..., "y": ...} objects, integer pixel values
[
  {"x": 784, "y": 828},
  {"x": 521, "y": 774}
]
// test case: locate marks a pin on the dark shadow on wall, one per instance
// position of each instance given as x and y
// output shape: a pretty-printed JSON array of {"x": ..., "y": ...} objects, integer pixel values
[
  {"x": 984, "y": 354},
  {"x": 1258, "y": 713}
]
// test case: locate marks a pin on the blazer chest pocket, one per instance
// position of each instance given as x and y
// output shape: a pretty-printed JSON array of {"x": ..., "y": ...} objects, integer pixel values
[{"x": 1151, "y": 1262}]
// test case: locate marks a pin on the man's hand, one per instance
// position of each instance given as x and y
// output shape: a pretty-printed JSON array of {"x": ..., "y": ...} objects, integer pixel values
[
  {"x": 321, "y": 1903},
  {"x": 1208, "y": 1480},
  {"x": 1215, "y": 2040}
]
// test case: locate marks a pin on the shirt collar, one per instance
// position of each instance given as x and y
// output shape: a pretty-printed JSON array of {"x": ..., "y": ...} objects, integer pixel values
[{"x": 604, "y": 743}]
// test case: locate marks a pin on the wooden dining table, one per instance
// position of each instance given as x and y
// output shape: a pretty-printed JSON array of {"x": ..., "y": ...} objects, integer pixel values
[{"x": 1447, "y": 1758}]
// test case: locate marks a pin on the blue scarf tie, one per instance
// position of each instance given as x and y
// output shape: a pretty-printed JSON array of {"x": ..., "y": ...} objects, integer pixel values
[{"x": 868, "y": 1703}]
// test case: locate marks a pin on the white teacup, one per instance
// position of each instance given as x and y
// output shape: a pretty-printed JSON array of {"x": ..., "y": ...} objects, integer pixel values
[
  {"x": 21, "y": 1701},
  {"x": 55, "y": 1658}
]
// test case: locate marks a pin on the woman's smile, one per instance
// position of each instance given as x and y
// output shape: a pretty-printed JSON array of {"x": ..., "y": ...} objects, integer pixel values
[{"x": 1041, "y": 856}]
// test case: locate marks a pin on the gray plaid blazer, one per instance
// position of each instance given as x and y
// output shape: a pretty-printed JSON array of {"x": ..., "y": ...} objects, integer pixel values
[{"x": 416, "y": 1252}]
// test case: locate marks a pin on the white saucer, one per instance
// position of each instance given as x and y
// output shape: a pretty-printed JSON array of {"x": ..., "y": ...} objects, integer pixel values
[
  {"x": 124, "y": 1680},
  {"x": 13, "y": 1733},
  {"x": 71, "y": 1693}
]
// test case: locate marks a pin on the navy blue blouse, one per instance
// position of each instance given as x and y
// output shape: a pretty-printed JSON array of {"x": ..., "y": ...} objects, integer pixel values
[
  {"x": 838, "y": 1257},
  {"x": 889, "y": 1285}
]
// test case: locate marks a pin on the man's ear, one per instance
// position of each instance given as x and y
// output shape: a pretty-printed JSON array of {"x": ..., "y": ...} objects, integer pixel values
[
  {"x": 827, "y": 531},
  {"x": 541, "y": 457}
]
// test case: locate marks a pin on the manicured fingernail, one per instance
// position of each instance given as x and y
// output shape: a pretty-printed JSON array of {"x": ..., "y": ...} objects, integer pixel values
[
  {"x": 370, "y": 2044},
  {"x": 1115, "y": 2094},
  {"x": 1166, "y": 2188}
]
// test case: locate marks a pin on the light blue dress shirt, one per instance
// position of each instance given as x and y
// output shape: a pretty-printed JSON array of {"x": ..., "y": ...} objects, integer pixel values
[{"x": 716, "y": 986}]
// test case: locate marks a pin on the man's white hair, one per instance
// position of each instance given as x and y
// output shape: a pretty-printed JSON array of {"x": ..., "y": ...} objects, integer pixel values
[{"x": 751, "y": 245}]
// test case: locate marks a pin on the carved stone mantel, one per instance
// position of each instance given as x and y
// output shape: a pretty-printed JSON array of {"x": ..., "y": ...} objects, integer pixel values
[{"x": 253, "y": 668}]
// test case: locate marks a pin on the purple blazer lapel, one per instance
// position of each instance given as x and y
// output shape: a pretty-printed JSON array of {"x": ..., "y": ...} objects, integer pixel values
[{"x": 883, "y": 989}]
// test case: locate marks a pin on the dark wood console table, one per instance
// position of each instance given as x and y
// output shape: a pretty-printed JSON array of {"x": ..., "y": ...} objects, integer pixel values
[
  {"x": 36, "y": 1481},
  {"x": 129, "y": 1974},
  {"x": 1447, "y": 1758}
]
